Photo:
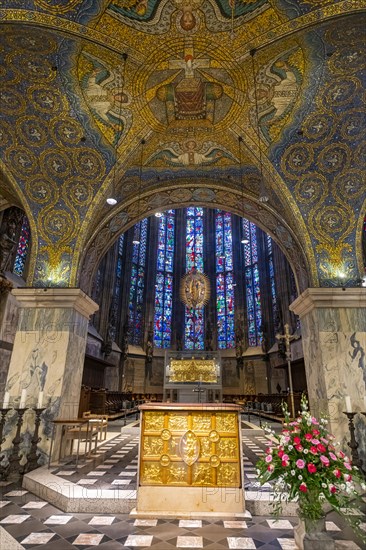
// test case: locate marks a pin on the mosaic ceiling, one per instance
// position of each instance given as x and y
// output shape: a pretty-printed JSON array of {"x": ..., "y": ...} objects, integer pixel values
[{"x": 166, "y": 103}]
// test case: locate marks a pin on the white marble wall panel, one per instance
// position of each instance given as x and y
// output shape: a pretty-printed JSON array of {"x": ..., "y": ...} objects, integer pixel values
[
  {"x": 48, "y": 356},
  {"x": 8, "y": 323},
  {"x": 334, "y": 342}
]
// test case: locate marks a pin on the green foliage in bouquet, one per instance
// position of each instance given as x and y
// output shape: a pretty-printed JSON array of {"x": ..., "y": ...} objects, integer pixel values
[{"x": 306, "y": 465}]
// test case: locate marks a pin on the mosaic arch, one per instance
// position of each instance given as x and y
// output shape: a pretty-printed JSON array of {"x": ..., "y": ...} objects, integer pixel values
[{"x": 267, "y": 220}]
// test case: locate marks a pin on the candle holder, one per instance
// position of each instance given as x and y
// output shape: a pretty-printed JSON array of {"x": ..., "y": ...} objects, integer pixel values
[
  {"x": 352, "y": 444},
  {"x": 32, "y": 459},
  {"x": 3, "y": 413},
  {"x": 14, "y": 469},
  {"x": 363, "y": 469}
]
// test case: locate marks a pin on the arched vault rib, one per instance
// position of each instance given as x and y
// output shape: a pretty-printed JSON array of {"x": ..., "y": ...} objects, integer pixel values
[
  {"x": 188, "y": 194},
  {"x": 289, "y": 27}
]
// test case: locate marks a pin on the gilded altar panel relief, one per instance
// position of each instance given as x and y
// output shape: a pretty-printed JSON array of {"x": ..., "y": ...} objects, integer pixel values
[{"x": 190, "y": 448}]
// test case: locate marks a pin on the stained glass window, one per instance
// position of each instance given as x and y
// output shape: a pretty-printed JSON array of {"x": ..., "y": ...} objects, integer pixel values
[
  {"x": 224, "y": 279},
  {"x": 164, "y": 281},
  {"x": 22, "y": 249},
  {"x": 117, "y": 286},
  {"x": 272, "y": 282},
  {"x": 194, "y": 318},
  {"x": 136, "y": 297},
  {"x": 253, "y": 296}
]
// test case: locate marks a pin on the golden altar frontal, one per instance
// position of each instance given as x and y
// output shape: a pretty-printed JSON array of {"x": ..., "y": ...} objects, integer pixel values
[{"x": 190, "y": 459}]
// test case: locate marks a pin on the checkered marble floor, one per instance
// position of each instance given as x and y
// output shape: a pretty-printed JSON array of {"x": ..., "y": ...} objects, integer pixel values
[
  {"x": 36, "y": 524},
  {"x": 118, "y": 470}
]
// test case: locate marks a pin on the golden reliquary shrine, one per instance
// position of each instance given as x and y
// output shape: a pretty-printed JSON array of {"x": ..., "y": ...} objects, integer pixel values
[
  {"x": 192, "y": 379},
  {"x": 193, "y": 370},
  {"x": 196, "y": 447}
]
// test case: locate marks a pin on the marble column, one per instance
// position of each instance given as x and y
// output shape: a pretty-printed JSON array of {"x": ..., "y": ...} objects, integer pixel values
[
  {"x": 48, "y": 357},
  {"x": 333, "y": 326}
]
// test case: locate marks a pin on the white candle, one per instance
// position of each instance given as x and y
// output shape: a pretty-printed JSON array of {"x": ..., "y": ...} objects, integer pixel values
[
  {"x": 40, "y": 400},
  {"x": 6, "y": 400},
  {"x": 23, "y": 399},
  {"x": 348, "y": 403}
]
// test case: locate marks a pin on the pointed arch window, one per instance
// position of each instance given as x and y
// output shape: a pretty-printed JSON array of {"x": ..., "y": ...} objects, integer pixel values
[
  {"x": 272, "y": 281},
  {"x": 117, "y": 286},
  {"x": 224, "y": 279},
  {"x": 252, "y": 289},
  {"x": 136, "y": 297},
  {"x": 164, "y": 281},
  {"x": 116, "y": 305},
  {"x": 194, "y": 318},
  {"x": 22, "y": 249}
]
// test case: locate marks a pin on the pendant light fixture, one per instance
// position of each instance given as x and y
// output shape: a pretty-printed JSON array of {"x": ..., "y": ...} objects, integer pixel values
[
  {"x": 137, "y": 235},
  {"x": 111, "y": 200},
  {"x": 240, "y": 141},
  {"x": 263, "y": 194}
]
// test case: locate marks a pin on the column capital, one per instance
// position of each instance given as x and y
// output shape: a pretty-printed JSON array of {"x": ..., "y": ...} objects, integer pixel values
[
  {"x": 61, "y": 298},
  {"x": 331, "y": 298}
]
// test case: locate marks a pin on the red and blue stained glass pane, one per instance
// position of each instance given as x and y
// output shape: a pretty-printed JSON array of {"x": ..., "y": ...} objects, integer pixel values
[
  {"x": 252, "y": 288},
  {"x": 136, "y": 297},
  {"x": 194, "y": 318},
  {"x": 224, "y": 280},
  {"x": 272, "y": 282},
  {"x": 164, "y": 281},
  {"x": 22, "y": 249}
]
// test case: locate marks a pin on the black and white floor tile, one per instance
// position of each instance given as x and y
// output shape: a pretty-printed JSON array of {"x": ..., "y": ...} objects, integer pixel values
[{"x": 37, "y": 525}]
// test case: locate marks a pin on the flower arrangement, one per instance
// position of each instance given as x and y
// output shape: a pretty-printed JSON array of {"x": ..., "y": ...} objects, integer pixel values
[{"x": 306, "y": 466}]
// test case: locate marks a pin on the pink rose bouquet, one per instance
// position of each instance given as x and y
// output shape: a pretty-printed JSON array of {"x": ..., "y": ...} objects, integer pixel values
[{"x": 306, "y": 466}]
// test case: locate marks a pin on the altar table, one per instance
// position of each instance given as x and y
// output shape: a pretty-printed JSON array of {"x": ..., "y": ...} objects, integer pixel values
[{"x": 190, "y": 459}]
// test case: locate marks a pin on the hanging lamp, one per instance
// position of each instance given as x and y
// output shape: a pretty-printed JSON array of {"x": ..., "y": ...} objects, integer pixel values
[
  {"x": 137, "y": 236},
  {"x": 111, "y": 199},
  {"x": 263, "y": 193}
]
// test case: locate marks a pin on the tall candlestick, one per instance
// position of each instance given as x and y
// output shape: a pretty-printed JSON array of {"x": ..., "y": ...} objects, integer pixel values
[
  {"x": 23, "y": 399},
  {"x": 348, "y": 403},
  {"x": 40, "y": 400},
  {"x": 6, "y": 400}
]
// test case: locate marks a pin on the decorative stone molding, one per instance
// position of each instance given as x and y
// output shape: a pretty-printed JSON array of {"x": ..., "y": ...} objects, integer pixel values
[
  {"x": 62, "y": 298},
  {"x": 328, "y": 298}
]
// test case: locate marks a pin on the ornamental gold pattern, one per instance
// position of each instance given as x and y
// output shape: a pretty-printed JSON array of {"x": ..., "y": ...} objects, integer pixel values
[
  {"x": 193, "y": 370},
  {"x": 324, "y": 169},
  {"x": 325, "y": 165},
  {"x": 190, "y": 448},
  {"x": 57, "y": 174}
]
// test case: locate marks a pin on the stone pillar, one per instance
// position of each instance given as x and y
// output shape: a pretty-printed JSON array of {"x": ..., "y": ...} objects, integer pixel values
[
  {"x": 8, "y": 323},
  {"x": 48, "y": 356},
  {"x": 333, "y": 326}
]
